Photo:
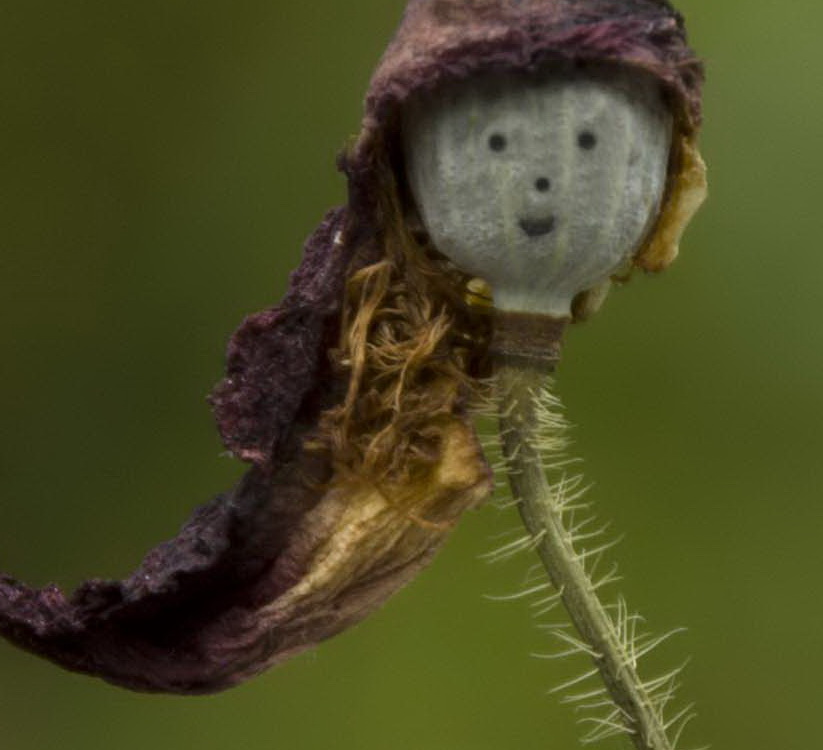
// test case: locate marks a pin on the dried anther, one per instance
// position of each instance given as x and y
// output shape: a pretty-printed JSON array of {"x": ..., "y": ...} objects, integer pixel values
[{"x": 349, "y": 398}]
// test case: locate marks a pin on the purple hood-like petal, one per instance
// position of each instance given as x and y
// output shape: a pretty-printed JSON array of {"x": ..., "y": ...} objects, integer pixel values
[
  {"x": 186, "y": 620},
  {"x": 277, "y": 371}
]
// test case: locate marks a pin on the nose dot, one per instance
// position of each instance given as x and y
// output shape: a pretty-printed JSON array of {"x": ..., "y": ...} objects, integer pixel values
[{"x": 542, "y": 184}]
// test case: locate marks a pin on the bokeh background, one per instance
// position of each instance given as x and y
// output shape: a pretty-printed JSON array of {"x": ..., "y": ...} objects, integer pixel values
[{"x": 160, "y": 165}]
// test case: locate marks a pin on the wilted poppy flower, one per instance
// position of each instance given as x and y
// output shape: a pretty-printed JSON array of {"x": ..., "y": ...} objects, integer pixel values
[{"x": 349, "y": 399}]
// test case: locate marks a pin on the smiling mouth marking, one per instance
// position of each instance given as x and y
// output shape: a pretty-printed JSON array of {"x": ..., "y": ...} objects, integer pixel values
[{"x": 537, "y": 227}]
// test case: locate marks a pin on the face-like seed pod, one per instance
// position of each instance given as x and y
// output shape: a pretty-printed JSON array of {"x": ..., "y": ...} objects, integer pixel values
[
  {"x": 542, "y": 184},
  {"x": 630, "y": 57}
]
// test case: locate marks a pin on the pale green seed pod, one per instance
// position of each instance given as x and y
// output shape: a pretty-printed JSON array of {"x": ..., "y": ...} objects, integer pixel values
[{"x": 545, "y": 185}]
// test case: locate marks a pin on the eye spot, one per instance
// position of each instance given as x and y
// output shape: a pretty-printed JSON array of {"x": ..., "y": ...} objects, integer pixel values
[
  {"x": 497, "y": 142},
  {"x": 586, "y": 140}
]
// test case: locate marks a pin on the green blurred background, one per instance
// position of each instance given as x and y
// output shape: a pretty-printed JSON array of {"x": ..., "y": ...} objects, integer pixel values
[{"x": 160, "y": 165}]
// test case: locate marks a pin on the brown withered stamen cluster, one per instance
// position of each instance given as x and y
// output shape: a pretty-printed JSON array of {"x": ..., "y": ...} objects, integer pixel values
[{"x": 409, "y": 342}]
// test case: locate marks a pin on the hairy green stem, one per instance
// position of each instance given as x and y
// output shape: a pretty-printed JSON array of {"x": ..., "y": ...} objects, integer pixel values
[{"x": 520, "y": 385}]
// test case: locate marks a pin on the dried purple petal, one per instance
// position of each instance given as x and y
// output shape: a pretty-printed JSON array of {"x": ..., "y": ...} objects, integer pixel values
[
  {"x": 275, "y": 360},
  {"x": 259, "y": 575}
]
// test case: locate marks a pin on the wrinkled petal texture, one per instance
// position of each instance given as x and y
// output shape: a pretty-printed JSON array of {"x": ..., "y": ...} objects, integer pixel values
[
  {"x": 188, "y": 619},
  {"x": 276, "y": 359}
]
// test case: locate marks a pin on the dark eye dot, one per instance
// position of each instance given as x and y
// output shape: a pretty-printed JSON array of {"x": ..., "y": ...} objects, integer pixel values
[
  {"x": 497, "y": 142},
  {"x": 586, "y": 140}
]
